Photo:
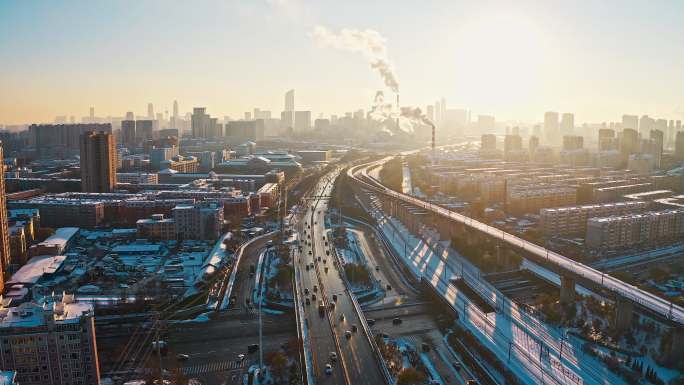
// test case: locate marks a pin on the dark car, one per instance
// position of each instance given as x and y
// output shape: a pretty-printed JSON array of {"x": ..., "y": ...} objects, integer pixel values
[
  {"x": 253, "y": 348},
  {"x": 370, "y": 322},
  {"x": 396, "y": 321}
]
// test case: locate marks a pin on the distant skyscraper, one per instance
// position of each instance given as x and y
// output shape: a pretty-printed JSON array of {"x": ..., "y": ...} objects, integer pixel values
[
  {"x": 289, "y": 100},
  {"x": 128, "y": 137},
  {"x": 572, "y": 142},
  {"x": 606, "y": 139},
  {"x": 130, "y": 116},
  {"x": 92, "y": 114},
  {"x": 302, "y": 121},
  {"x": 488, "y": 142},
  {"x": 629, "y": 142},
  {"x": 551, "y": 127},
  {"x": 150, "y": 111},
  {"x": 533, "y": 144},
  {"x": 248, "y": 115},
  {"x": 646, "y": 124},
  {"x": 567, "y": 124},
  {"x": 630, "y": 121},
  {"x": 175, "y": 109},
  {"x": 658, "y": 138},
  {"x": 98, "y": 162},
  {"x": 4, "y": 232},
  {"x": 144, "y": 129},
  {"x": 200, "y": 123},
  {"x": 679, "y": 146}
]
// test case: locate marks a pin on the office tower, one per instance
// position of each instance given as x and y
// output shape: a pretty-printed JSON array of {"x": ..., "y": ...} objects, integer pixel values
[
  {"x": 606, "y": 139},
  {"x": 486, "y": 123},
  {"x": 567, "y": 124},
  {"x": 241, "y": 131},
  {"x": 630, "y": 121},
  {"x": 128, "y": 136},
  {"x": 175, "y": 109},
  {"x": 512, "y": 143},
  {"x": 130, "y": 116},
  {"x": 92, "y": 114},
  {"x": 50, "y": 343},
  {"x": 261, "y": 114},
  {"x": 200, "y": 122},
  {"x": 430, "y": 112},
  {"x": 533, "y": 144},
  {"x": 551, "y": 127},
  {"x": 572, "y": 142},
  {"x": 321, "y": 124},
  {"x": 646, "y": 124},
  {"x": 302, "y": 121},
  {"x": 215, "y": 128},
  {"x": 144, "y": 129},
  {"x": 61, "y": 140},
  {"x": 289, "y": 100},
  {"x": 678, "y": 125},
  {"x": 488, "y": 142},
  {"x": 4, "y": 232},
  {"x": 150, "y": 111},
  {"x": 98, "y": 162},
  {"x": 629, "y": 143},
  {"x": 679, "y": 146},
  {"x": 658, "y": 139}
]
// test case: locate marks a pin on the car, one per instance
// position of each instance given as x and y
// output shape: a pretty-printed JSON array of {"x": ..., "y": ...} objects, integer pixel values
[
  {"x": 335, "y": 297},
  {"x": 307, "y": 267},
  {"x": 328, "y": 369},
  {"x": 315, "y": 288},
  {"x": 331, "y": 305},
  {"x": 425, "y": 347},
  {"x": 240, "y": 357},
  {"x": 342, "y": 317},
  {"x": 310, "y": 252},
  {"x": 472, "y": 382},
  {"x": 397, "y": 321},
  {"x": 326, "y": 269},
  {"x": 377, "y": 268},
  {"x": 306, "y": 291},
  {"x": 253, "y": 348},
  {"x": 347, "y": 334},
  {"x": 308, "y": 301},
  {"x": 319, "y": 258},
  {"x": 327, "y": 252},
  {"x": 457, "y": 366},
  {"x": 182, "y": 357},
  {"x": 325, "y": 261},
  {"x": 370, "y": 322},
  {"x": 313, "y": 297},
  {"x": 389, "y": 287},
  {"x": 333, "y": 356},
  {"x": 355, "y": 328}
]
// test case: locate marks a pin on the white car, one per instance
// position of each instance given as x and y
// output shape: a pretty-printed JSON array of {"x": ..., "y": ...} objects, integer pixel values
[{"x": 328, "y": 369}]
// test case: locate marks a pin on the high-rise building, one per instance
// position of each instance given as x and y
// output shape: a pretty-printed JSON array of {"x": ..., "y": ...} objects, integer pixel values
[
  {"x": 430, "y": 112},
  {"x": 629, "y": 143},
  {"x": 128, "y": 137},
  {"x": 512, "y": 143},
  {"x": 4, "y": 232},
  {"x": 61, "y": 140},
  {"x": 567, "y": 124},
  {"x": 51, "y": 343},
  {"x": 631, "y": 122},
  {"x": 572, "y": 142},
  {"x": 200, "y": 122},
  {"x": 144, "y": 129},
  {"x": 241, "y": 131},
  {"x": 92, "y": 115},
  {"x": 175, "y": 109},
  {"x": 130, "y": 116},
  {"x": 533, "y": 144},
  {"x": 551, "y": 133},
  {"x": 488, "y": 142},
  {"x": 98, "y": 162},
  {"x": 679, "y": 146},
  {"x": 606, "y": 139},
  {"x": 646, "y": 124},
  {"x": 150, "y": 111},
  {"x": 289, "y": 100},
  {"x": 302, "y": 121}
]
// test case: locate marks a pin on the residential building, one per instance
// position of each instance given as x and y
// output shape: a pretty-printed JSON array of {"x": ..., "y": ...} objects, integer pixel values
[
  {"x": 203, "y": 220},
  {"x": 654, "y": 227},
  {"x": 98, "y": 162},
  {"x": 572, "y": 220},
  {"x": 50, "y": 344},
  {"x": 530, "y": 199}
]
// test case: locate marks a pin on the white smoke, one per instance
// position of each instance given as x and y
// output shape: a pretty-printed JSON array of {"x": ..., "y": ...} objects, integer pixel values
[{"x": 368, "y": 42}]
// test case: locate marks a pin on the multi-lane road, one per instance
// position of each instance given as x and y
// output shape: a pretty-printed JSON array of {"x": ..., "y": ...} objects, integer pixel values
[{"x": 356, "y": 362}]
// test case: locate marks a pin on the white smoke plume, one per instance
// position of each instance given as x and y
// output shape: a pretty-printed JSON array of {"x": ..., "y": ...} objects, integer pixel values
[{"x": 368, "y": 42}]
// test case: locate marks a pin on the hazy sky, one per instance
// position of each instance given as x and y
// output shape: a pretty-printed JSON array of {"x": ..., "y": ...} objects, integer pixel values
[{"x": 514, "y": 59}]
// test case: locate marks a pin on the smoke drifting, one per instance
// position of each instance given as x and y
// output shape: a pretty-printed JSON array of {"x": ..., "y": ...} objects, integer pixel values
[{"x": 368, "y": 42}]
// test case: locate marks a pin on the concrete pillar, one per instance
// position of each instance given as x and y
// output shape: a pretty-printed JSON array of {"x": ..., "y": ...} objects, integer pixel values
[
  {"x": 624, "y": 312},
  {"x": 567, "y": 290}
]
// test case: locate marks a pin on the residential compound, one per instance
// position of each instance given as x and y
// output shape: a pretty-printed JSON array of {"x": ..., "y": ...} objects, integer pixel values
[
  {"x": 51, "y": 343},
  {"x": 572, "y": 220},
  {"x": 619, "y": 231},
  {"x": 203, "y": 221}
]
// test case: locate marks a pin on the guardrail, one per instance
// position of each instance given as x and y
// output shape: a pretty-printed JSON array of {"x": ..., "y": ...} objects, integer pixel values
[
  {"x": 226, "y": 290},
  {"x": 366, "y": 329},
  {"x": 302, "y": 333}
]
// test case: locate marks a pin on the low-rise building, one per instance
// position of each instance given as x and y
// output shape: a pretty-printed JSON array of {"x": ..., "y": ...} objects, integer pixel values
[
  {"x": 157, "y": 227},
  {"x": 137, "y": 177},
  {"x": 64, "y": 212},
  {"x": 57, "y": 243},
  {"x": 530, "y": 199}
]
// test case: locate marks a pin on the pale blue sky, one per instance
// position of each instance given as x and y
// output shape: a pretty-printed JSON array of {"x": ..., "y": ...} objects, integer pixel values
[{"x": 515, "y": 59}]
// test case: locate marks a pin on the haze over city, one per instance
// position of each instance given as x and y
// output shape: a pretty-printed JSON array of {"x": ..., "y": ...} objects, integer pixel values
[
  {"x": 515, "y": 61},
  {"x": 290, "y": 192}
]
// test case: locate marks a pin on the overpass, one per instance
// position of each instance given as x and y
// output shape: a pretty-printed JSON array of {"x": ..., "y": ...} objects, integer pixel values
[{"x": 571, "y": 271}]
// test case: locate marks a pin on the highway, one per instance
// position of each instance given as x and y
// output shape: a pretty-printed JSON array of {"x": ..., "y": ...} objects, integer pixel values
[
  {"x": 356, "y": 363},
  {"x": 660, "y": 306}
]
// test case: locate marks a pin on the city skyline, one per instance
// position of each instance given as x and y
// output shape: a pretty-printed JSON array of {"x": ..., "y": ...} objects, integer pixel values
[{"x": 564, "y": 58}]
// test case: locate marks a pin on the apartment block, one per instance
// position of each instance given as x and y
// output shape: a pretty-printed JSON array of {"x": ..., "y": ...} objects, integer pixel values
[
  {"x": 629, "y": 230},
  {"x": 522, "y": 200},
  {"x": 572, "y": 220}
]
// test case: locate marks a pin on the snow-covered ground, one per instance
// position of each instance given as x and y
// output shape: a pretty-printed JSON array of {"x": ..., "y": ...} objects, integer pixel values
[{"x": 532, "y": 349}]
